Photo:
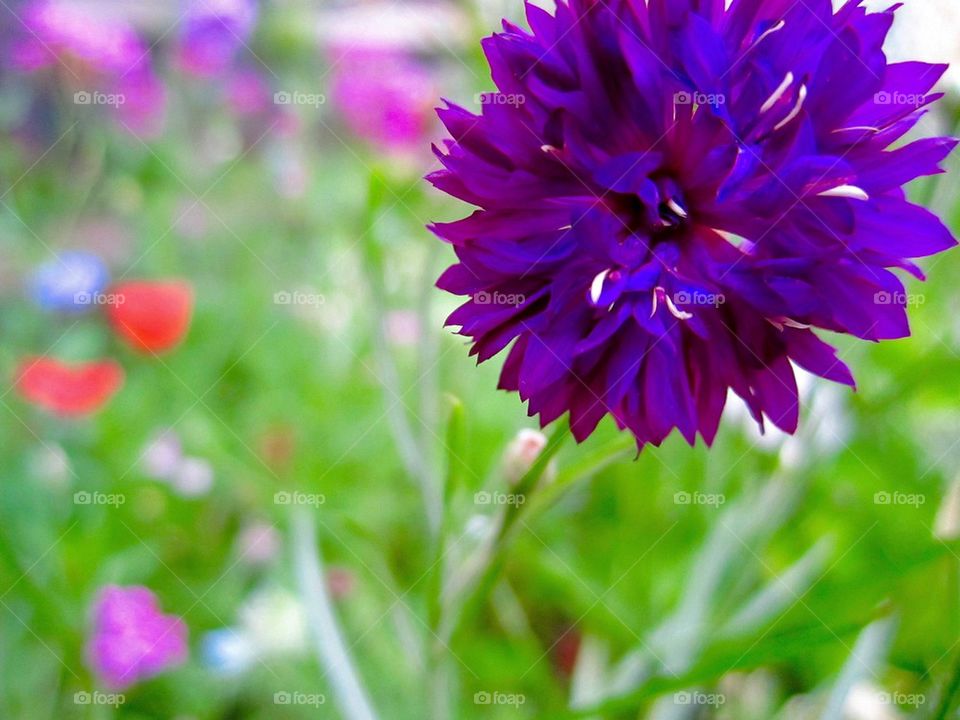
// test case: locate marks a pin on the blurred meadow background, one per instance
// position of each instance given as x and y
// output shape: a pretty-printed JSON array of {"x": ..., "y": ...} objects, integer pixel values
[{"x": 311, "y": 473}]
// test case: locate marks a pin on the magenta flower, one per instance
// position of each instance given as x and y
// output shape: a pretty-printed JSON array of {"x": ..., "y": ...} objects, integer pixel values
[
  {"x": 213, "y": 32},
  {"x": 132, "y": 639},
  {"x": 65, "y": 30},
  {"x": 248, "y": 94},
  {"x": 105, "y": 60},
  {"x": 385, "y": 96},
  {"x": 144, "y": 106}
]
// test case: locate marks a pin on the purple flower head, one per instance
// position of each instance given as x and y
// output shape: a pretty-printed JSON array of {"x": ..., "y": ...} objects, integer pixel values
[
  {"x": 674, "y": 195},
  {"x": 212, "y": 33},
  {"x": 132, "y": 639},
  {"x": 385, "y": 96},
  {"x": 71, "y": 31},
  {"x": 70, "y": 282}
]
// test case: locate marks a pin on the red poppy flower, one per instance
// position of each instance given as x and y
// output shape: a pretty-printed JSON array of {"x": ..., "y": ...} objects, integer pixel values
[
  {"x": 151, "y": 317},
  {"x": 68, "y": 389}
]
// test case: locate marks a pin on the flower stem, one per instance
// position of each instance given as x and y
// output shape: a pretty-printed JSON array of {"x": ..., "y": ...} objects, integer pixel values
[
  {"x": 331, "y": 650},
  {"x": 485, "y": 572},
  {"x": 413, "y": 451}
]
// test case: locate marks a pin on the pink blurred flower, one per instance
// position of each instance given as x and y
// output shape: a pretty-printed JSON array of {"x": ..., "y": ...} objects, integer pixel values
[
  {"x": 144, "y": 108},
  {"x": 403, "y": 328},
  {"x": 63, "y": 29},
  {"x": 341, "y": 582},
  {"x": 100, "y": 55},
  {"x": 193, "y": 478},
  {"x": 131, "y": 639},
  {"x": 259, "y": 543},
  {"x": 249, "y": 94},
  {"x": 386, "y": 97},
  {"x": 162, "y": 455},
  {"x": 212, "y": 33}
]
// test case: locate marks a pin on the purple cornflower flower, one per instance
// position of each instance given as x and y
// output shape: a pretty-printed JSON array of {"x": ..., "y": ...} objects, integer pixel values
[
  {"x": 212, "y": 33},
  {"x": 674, "y": 194},
  {"x": 132, "y": 639}
]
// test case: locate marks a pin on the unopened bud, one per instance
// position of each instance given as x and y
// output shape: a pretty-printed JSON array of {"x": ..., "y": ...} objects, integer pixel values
[
  {"x": 522, "y": 453},
  {"x": 947, "y": 524}
]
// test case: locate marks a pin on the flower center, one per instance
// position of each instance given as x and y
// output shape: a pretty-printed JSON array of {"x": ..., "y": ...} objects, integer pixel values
[{"x": 657, "y": 210}]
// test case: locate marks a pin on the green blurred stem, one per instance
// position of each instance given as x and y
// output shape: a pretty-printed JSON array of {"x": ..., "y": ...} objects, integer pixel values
[
  {"x": 332, "y": 653},
  {"x": 413, "y": 448},
  {"x": 439, "y": 671},
  {"x": 951, "y": 694},
  {"x": 49, "y": 606},
  {"x": 428, "y": 346},
  {"x": 481, "y": 576}
]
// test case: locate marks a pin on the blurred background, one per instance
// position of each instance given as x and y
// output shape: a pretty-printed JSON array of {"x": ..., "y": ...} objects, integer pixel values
[{"x": 228, "y": 398}]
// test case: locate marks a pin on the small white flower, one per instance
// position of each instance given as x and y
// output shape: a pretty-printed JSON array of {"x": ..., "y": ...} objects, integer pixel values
[
  {"x": 274, "y": 621},
  {"x": 162, "y": 455},
  {"x": 192, "y": 478}
]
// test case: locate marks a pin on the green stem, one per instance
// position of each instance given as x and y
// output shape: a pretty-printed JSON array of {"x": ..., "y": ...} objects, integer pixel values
[
  {"x": 479, "y": 586},
  {"x": 331, "y": 649},
  {"x": 413, "y": 452},
  {"x": 951, "y": 694}
]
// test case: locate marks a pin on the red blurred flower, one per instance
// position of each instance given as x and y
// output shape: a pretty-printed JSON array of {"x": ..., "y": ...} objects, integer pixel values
[
  {"x": 151, "y": 317},
  {"x": 565, "y": 651},
  {"x": 65, "y": 389}
]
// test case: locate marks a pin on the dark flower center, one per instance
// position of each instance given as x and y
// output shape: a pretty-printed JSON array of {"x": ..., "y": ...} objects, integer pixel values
[{"x": 658, "y": 210}]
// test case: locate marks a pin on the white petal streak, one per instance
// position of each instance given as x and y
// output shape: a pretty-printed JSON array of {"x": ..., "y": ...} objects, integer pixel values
[
  {"x": 596, "y": 287},
  {"x": 846, "y": 191},
  {"x": 778, "y": 93}
]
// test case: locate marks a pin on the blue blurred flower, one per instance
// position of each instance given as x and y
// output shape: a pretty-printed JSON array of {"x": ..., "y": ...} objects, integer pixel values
[
  {"x": 70, "y": 282},
  {"x": 227, "y": 651}
]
